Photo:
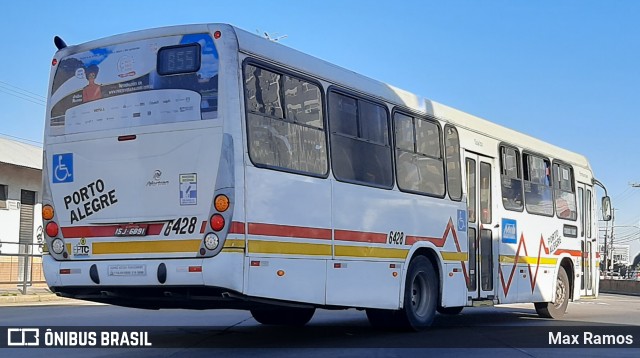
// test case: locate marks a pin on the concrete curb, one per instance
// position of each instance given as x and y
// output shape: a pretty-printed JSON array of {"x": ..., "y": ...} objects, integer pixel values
[{"x": 29, "y": 298}]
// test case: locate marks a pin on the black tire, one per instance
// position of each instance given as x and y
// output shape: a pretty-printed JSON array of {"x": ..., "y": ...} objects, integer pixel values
[
  {"x": 420, "y": 295},
  {"x": 449, "y": 310},
  {"x": 283, "y": 316},
  {"x": 420, "y": 300},
  {"x": 558, "y": 307}
]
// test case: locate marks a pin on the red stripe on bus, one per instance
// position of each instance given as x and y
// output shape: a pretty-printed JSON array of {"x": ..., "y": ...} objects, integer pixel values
[
  {"x": 103, "y": 231},
  {"x": 574, "y": 253},
  {"x": 203, "y": 227},
  {"x": 237, "y": 227},
  {"x": 438, "y": 242},
  {"x": 289, "y": 231},
  {"x": 359, "y": 236}
]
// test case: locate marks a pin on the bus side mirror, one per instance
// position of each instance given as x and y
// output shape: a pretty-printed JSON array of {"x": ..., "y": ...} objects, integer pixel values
[{"x": 606, "y": 208}]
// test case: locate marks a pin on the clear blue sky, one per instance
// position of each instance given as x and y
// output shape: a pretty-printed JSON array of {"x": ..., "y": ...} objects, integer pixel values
[{"x": 567, "y": 72}]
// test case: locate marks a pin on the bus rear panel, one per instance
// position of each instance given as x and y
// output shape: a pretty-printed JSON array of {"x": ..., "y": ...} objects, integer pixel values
[{"x": 138, "y": 186}]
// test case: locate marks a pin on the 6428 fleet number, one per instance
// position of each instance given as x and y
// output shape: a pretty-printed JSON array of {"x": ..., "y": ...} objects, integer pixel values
[{"x": 181, "y": 226}]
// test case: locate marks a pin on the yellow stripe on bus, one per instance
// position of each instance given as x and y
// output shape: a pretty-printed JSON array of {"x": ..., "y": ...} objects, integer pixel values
[
  {"x": 371, "y": 252},
  {"x": 455, "y": 256},
  {"x": 234, "y": 243},
  {"x": 528, "y": 260},
  {"x": 239, "y": 250},
  {"x": 302, "y": 248},
  {"x": 145, "y": 247},
  {"x": 288, "y": 248}
]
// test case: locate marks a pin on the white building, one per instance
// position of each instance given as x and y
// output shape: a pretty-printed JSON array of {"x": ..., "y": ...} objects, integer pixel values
[
  {"x": 20, "y": 195},
  {"x": 619, "y": 254}
]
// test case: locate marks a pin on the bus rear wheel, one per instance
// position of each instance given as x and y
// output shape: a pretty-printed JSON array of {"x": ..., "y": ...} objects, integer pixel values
[
  {"x": 283, "y": 316},
  {"x": 558, "y": 307},
  {"x": 420, "y": 300},
  {"x": 420, "y": 294}
]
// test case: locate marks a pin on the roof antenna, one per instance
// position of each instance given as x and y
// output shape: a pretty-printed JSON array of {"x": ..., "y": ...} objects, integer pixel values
[
  {"x": 60, "y": 44},
  {"x": 272, "y": 37}
]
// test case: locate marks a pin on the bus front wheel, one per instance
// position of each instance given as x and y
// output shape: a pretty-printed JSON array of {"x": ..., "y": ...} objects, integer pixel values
[
  {"x": 558, "y": 307},
  {"x": 283, "y": 316}
]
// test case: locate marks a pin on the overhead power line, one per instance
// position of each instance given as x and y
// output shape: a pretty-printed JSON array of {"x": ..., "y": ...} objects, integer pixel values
[
  {"x": 20, "y": 139},
  {"x": 23, "y": 94}
]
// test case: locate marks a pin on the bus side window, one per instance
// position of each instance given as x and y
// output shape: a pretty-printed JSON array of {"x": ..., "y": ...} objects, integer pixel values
[
  {"x": 360, "y": 146},
  {"x": 419, "y": 160},
  {"x": 537, "y": 184},
  {"x": 511, "y": 179},
  {"x": 565, "y": 192},
  {"x": 285, "y": 126},
  {"x": 452, "y": 153}
]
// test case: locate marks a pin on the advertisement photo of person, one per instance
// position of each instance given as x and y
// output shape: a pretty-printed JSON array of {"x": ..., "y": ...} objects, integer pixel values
[{"x": 92, "y": 91}]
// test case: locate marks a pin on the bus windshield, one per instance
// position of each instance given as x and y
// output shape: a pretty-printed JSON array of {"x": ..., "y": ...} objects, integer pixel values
[{"x": 152, "y": 81}]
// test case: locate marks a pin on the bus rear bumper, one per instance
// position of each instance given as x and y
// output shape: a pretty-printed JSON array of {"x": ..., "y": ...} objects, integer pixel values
[
  {"x": 179, "y": 283},
  {"x": 154, "y": 297}
]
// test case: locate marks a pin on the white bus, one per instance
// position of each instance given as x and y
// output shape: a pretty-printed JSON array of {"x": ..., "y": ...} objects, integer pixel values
[{"x": 202, "y": 166}]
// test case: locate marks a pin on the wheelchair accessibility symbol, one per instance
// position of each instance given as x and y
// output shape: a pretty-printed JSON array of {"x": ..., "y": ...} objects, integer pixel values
[
  {"x": 462, "y": 220},
  {"x": 63, "y": 168}
]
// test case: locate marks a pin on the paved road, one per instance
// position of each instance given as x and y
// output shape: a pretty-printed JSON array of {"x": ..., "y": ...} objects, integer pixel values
[{"x": 334, "y": 333}]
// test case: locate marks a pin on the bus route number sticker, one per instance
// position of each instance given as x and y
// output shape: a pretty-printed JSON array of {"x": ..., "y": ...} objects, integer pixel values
[{"x": 188, "y": 189}]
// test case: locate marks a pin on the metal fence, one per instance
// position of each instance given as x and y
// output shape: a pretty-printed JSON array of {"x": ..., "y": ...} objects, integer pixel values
[{"x": 21, "y": 265}]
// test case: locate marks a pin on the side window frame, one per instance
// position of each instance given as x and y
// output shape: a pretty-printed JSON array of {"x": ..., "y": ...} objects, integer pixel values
[
  {"x": 502, "y": 147},
  {"x": 332, "y": 134},
  {"x": 527, "y": 172},
  {"x": 457, "y": 160},
  {"x": 415, "y": 117},
  {"x": 299, "y": 76},
  {"x": 556, "y": 187}
]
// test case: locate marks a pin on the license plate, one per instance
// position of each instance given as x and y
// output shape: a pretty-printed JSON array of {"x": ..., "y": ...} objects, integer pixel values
[
  {"x": 131, "y": 230},
  {"x": 127, "y": 270}
]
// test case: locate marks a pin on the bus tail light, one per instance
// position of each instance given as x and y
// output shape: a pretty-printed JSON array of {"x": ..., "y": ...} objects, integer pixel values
[
  {"x": 221, "y": 203},
  {"x": 52, "y": 229},
  {"x": 217, "y": 222},
  {"x": 47, "y": 212},
  {"x": 57, "y": 246},
  {"x": 211, "y": 241}
]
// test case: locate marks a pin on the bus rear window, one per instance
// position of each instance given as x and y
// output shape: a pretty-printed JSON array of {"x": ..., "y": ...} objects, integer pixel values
[{"x": 153, "y": 81}]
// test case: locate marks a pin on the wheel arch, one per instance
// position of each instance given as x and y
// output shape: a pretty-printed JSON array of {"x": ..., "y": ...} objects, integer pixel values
[
  {"x": 429, "y": 252},
  {"x": 567, "y": 264}
]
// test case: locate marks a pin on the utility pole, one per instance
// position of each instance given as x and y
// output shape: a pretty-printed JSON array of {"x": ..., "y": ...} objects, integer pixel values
[
  {"x": 613, "y": 224},
  {"x": 606, "y": 263}
]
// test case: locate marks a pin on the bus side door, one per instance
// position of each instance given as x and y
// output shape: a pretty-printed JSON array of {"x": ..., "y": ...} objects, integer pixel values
[
  {"x": 482, "y": 250},
  {"x": 588, "y": 246}
]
